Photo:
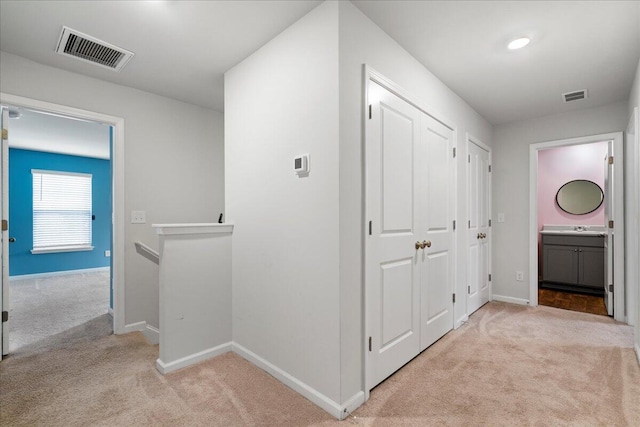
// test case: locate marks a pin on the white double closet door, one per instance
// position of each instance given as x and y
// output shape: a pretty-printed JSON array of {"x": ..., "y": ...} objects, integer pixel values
[{"x": 410, "y": 241}]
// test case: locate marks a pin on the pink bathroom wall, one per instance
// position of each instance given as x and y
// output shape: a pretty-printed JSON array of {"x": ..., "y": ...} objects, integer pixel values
[{"x": 556, "y": 167}]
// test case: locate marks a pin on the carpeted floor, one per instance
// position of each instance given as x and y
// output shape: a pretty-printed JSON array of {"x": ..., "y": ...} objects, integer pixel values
[
  {"x": 509, "y": 365},
  {"x": 46, "y": 306}
]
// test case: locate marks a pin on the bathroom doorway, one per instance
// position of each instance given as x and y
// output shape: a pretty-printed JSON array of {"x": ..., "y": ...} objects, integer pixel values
[
  {"x": 571, "y": 239},
  {"x": 571, "y": 218}
]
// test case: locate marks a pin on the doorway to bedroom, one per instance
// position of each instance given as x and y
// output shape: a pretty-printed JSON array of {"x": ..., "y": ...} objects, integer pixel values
[{"x": 60, "y": 216}]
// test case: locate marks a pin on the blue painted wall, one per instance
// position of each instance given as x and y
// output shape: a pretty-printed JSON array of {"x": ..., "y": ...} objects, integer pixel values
[{"x": 21, "y": 260}]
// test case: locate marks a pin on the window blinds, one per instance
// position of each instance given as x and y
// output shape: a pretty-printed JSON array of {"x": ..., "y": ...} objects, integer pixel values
[{"x": 61, "y": 210}]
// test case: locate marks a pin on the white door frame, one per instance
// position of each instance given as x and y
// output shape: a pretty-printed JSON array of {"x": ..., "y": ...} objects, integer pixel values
[
  {"x": 618, "y": 286},
  {"x": 369, "y": 74},
  {"x": 635, "y": 258},
  {"x": 118, "y": 213},
  {"x": 632, "y": 216}
]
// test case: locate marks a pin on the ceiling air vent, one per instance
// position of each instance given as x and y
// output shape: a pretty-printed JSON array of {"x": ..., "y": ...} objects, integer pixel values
[
  {"x": 90, "y": 49},
  {"x": 575, "y": 95}
]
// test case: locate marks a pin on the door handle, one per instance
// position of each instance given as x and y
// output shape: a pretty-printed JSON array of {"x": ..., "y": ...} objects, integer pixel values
[
  {"x": 419, "y": 245},
  {"x": 426, "y": 243},
  {"x": 12, "y": 239},
  {"x": 479, "y": 236}
]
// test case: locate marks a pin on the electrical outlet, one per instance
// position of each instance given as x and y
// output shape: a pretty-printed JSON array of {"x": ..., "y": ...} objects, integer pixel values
[
  {"x": 138, "y": 217},
  {"x": 107, "y": 253},
  {"x": 519, "y": 276}
]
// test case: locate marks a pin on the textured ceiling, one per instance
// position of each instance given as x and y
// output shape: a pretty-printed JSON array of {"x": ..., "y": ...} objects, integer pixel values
[
  {"x": 183, "y": 48},
  {"x": 593, "y": 45}
]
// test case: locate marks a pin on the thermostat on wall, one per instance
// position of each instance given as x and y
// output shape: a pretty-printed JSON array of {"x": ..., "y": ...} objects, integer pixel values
[{"x": 301, "y": 164}]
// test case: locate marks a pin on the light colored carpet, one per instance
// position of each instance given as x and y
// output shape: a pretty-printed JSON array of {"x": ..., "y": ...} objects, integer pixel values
[
  {"x": 42, "y": 307},
  {"x": 512, "y": 365},
  {"x": 509, "y": 365}
]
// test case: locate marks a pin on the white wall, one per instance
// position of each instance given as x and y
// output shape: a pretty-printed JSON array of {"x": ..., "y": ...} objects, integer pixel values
[
  {"x": 511, "y": 183},
  {"x": 281, "y": 102},
  {"x": 173, "y": 160},
  {"x": 297, "y": 281},
  {"x": 634, "y": 95},
  {"x": 362, "y": 42}
]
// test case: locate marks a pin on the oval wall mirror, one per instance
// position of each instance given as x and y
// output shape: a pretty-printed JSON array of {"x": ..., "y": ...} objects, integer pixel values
[{"x": 579, "y": 197}]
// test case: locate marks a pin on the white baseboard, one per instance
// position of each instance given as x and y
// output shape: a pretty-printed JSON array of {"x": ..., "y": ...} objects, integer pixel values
[
  {"x": 461, "y": 321},
  {"x": 192, "y": 359},
  {"x": 338, "y": 411},
  {"x": 134, "y": 327},
  {"x": 352, "y": 404},
  {"x": 512, "y": 300},
  {"x": 152, "y": 334},
  {"x": 295, "y": 384},
  {"x": 58, "y": 273},
  {"x": 637, "y": 347}
]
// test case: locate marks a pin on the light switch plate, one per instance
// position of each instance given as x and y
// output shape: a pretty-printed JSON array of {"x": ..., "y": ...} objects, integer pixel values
[
  {"x": 500, "y": 216},
  {"x": 138, "y": 217}
]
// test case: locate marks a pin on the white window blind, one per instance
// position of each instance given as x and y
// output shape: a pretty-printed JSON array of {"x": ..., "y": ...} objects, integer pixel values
[{"x": 61, "y": 211}]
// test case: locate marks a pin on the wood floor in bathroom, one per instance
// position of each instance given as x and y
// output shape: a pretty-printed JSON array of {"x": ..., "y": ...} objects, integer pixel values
[{"x": 572, "y": 301}]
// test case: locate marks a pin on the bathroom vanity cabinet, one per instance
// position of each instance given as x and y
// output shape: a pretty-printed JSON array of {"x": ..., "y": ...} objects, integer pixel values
[{"x": 573, "y": 261}]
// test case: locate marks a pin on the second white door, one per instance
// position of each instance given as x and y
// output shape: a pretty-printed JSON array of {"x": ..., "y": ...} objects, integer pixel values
[{"x": 479, "y": 233}]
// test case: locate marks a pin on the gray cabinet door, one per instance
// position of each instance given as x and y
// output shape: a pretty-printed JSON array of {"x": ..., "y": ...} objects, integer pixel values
[
  {"x": 560, "y": 264},
  {"x": 591, "y": 267}
]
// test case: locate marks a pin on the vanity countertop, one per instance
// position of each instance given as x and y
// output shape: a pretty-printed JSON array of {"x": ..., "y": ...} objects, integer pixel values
[{"x": 574, "y": 230}]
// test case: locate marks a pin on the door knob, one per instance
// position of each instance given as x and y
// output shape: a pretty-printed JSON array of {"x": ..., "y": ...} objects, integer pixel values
[
  {"x": 12, "y": 239},
  {"x": 426, "y": 243},
  {"x": 484, "y": 235},
  {"x": 479, "y": 236},
  {"x": 419, "y": 245}
]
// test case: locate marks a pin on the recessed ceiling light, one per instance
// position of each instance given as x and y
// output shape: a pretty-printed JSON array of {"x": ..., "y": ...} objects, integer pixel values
[{"x": 518, "y": 43}]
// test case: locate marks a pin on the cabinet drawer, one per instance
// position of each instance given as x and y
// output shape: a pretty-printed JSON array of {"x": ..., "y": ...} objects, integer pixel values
[{"x": 570, "y": 240}]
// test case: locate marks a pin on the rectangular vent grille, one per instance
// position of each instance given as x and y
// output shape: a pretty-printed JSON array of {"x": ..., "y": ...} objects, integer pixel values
[
  {"x": 86, "y": 49},
  {"x": 574, "y": 96},
  {"x": 89, "y": 49}
]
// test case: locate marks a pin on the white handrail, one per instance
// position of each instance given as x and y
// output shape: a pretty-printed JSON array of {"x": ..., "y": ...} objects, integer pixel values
[{"x": 147, "y": 252}]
